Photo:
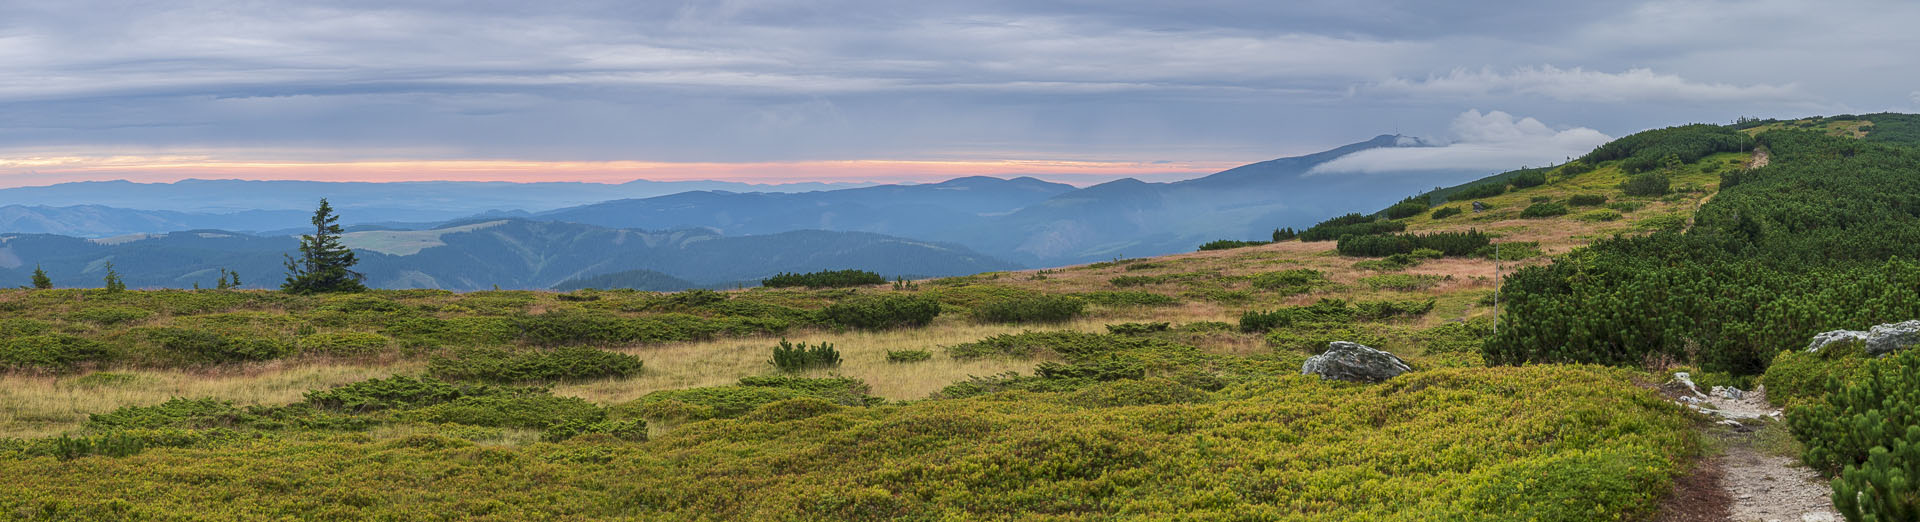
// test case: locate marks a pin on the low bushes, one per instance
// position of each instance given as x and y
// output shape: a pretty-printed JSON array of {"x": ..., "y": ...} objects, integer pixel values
[
  {"x": 907, "y": 356},
  {"x": 1326, "y": 310},
  {"x": 751, "y": 393},
  {"x": 1587, "y": 200},
  {"x": 628, "y": 430},
  {"x": 1483, "y": 190},
  {"x": 1446, "y": 212},
  {"x": 824, "y": 279},
  {"x": 499, "y": 365},
  {"x": 1350, "y": 224},
  {"x": 52, "y": 352},
  {"x": 1447, "y": 243},
  {"x": 529, "y": 411},
  {"x": 109, "y": 315},
  {"x": 1224, "y": 244},
  {"x": 1543, "y": 210},
  {"x": 402, "y": 392},
  {"x": 203, "y": 346},
  {"x": 1126, "y": 298},
  {"x": 1865, "y": 432},
  {"x": 792, "y": 358},
  {"x": 1035, "y": 309},
  {"x": 345, "y": 344},
  {"x": 1405, "y": 209},
  {"x": 1290, "y": 282},
  {"x": 1403, "y": 282},
  {"x": 1649, "y": 184},
  {"x": 878, "y": 312},
  {"x": 1529, "y": 178},
  {"x": 1137, "y": 328}
]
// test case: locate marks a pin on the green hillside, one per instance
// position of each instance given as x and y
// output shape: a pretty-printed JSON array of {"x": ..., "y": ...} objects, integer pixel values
[{"x": 1138, "y": 389}]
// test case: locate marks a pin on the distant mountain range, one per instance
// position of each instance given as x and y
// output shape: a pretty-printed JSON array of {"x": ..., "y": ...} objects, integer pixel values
[
  {"x": 460, "y": 235},
  {"x": 509, "y": 253},
  {"x": 103, "y": 207},
  {"x": 1040, "y": 223}
]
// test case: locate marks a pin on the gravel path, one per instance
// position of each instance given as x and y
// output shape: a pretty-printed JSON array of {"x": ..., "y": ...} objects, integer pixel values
[{"x": 1762, "y": 487}]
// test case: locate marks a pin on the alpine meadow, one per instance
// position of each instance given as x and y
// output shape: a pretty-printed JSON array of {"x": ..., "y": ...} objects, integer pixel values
[{"x": 852, "y": 261}]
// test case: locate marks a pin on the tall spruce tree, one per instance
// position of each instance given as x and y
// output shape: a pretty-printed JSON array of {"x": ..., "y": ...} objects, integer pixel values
[
  {"x": 40, "y": 279},
  {"x": 324, "y": 264}
]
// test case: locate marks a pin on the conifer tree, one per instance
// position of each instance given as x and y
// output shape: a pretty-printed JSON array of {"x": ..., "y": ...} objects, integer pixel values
[
  {"x": 113, "y": 281},
  {"x": 40, "y": 280},
  {"x": 324, "y": 264}
]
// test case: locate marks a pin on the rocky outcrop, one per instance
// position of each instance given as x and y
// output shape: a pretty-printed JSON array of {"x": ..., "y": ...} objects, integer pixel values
[
  {"x": 1889, "y": 338},
  {"x": 1825, "y": 339},
  {"x": 1354, "y": 362},
  {"x": 1880, "y": 340}
]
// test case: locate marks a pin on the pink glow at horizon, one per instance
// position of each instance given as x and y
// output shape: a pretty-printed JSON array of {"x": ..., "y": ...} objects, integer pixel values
[{"x": 33, "y": 171}]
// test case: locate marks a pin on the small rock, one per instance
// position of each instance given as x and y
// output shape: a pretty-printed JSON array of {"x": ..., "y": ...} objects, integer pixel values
[
  {"x": 1824, "y": 339},
  {"x": 1346, "y": 361},
  {"x": 1685, "y": 379},
  {"x": 1728, "y": 392},
  {"x": 1889, "y": 338},
  {"x": 1733, "y": 423},
  {"x": 1479, "y": 207}
]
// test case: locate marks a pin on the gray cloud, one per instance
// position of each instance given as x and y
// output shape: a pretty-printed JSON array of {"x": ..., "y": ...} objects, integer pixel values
[
  {"x": 769, "y": 80},
  {"x": 1493, "y": 141}
]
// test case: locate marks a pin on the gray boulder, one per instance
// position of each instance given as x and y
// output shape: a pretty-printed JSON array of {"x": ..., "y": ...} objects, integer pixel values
[
  {"x": 1889, "y": 338},
  {"x": 1479, "y": 207},
  {"x": 1825, "y": 339},
  {"x": 1354, "y": 362}
]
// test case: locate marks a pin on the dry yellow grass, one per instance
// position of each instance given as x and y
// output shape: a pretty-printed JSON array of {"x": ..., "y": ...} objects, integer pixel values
[
  {"x": 36, "y": 406},
  {"x": 863, "y": 356}
]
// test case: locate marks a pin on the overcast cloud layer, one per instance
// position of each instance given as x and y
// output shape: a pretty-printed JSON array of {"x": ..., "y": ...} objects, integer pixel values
[{"x": 1192, "y": 83}]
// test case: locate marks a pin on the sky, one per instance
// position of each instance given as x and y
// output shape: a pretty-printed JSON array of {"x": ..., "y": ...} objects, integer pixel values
[{"x": 770, "y": 91}]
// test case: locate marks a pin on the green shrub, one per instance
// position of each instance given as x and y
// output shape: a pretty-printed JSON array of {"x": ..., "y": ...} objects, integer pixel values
[
  {"x": 537, "y": 412},
  {"x": 1626, "y": 207},
  {"x": 1126, "y": 298},
  {"x": 1132, "y": 281},
  {"x": 1447, "y": 243},
  {"x": 109, "y": 315},
  {"x": 906, "y": 356},
  {"x": 343, "y": 344},
  {"x": 1377, "y": 310},
  {"x": 1529, "y": 178},
  {"x": 1587, "y": 200},
  {"x": 200, "y": 346},
  {"x": 1543, "y": 210},
  {"x": 1142, "y": 392},
  {"x": 1483, "y": 190},
  {"x": 1867, "y": 431},
  {"x": 791, "y": 357},
  {"x": 1795, "y": 376},
  {"x": 1313, "y": 337},
  {"x": 11, "y": 327},
  {"x": 1349, "y": 225},
  {"x": 1137, "y": 328},
  {"x": 1406, "y": 209},
  {"x": 1224, "y": 244},
  {"x": 1446, "y": 212},
  {"x": 1036, "y": 309},
  {"x": 824, "y": 279},
  {"x": 628, "y": 430},
  {"x": 55, "y": 352},
  {"x": 498, "y": 365},
  {"x": 402, "y": 392},
  {"x": 878, "y": 312},
  {"x": 1598, "y": 216},
  {"x": 1403, "y": 282},
  {"x": 725, "y": 402},
  {"x": 792, "y": 409},
  {"x": 175, "y": 413},
  {"x": 1290, "y": 282},
  {"x": 1649, "y": 184},
  {"x": 1324, "y": 311}
]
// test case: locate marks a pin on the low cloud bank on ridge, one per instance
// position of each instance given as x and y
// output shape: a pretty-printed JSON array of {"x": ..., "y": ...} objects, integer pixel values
[{"x": 1494, "y": 141}]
